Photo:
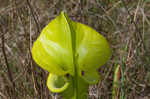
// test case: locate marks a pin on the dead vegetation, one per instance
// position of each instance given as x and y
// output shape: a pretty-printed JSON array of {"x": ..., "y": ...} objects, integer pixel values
[{"x": 125, "y": 24}]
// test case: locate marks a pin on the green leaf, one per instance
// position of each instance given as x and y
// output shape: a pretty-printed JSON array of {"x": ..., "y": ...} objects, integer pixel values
[{"x": 73, "y": 51}]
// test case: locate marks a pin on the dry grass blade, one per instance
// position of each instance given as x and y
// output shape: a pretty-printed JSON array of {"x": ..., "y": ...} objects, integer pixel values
[
  {"x": 125, "y": 24},
  {"x": 116, "y": 82}
]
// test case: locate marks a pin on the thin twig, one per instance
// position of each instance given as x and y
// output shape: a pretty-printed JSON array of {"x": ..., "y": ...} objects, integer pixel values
[
  {"x": 10, "y": 8},
  {"x": 136, "y": 27},
  {"x": 4, "y": 97},
  {"x": 107, "y": 16},
  {"x": 6, "y": 62},
  {"x": 145, "y": 17},
  {"x": 37, "y": 92},
  {"x": 113, "y": 7},
  {"x": 33, "y": 15},
  {"x": 2, "y": 23}
]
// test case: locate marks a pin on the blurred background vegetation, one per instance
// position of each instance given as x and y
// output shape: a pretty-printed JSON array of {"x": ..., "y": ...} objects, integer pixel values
[{"x": 125, "y": 24}]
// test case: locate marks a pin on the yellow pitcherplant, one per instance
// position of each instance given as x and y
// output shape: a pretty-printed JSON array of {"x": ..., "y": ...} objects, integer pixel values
[{"x": 71, "y": 52}]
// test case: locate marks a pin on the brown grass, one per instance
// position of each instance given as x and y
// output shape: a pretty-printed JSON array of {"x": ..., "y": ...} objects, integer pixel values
[{"x": 125, "y": 24}]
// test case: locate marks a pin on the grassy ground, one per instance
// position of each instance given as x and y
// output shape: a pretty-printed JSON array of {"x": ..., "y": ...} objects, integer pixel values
[{"x": 125, "y": 24}]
